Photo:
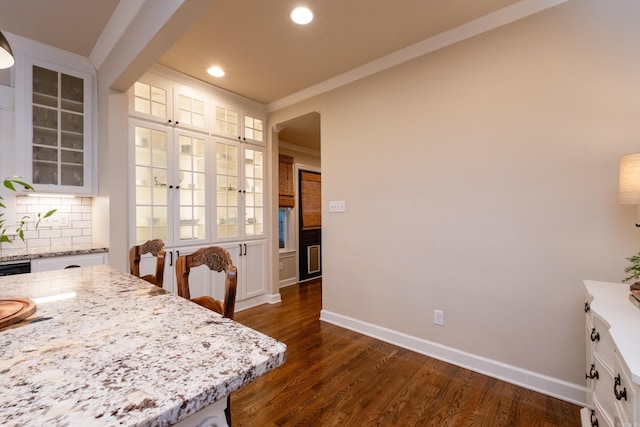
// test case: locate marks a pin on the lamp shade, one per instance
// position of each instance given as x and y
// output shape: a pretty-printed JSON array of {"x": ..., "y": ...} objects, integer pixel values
[
  {"x": 629, "y": 188},
  {"x": 6, "y": 55}
]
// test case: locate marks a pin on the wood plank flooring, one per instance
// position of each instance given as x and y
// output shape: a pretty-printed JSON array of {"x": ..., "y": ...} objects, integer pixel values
[{"x": 336, "y": 377}]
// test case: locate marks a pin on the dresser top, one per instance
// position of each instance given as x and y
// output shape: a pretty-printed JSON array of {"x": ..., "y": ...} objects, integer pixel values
[
  {"x": 610, "y": 303},
  {"x": 116, "y": 350}
]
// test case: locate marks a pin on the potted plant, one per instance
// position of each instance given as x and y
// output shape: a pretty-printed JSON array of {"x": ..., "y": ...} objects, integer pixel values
[{"x": 14, "y": 185}]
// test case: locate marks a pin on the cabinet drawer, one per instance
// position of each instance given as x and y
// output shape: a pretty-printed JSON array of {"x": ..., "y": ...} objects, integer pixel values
[
  {"x": 604, "y": 420},
  {"x": 603, "y": 388},
  {"x": 602, "y": 342},
  {"x": 626, "y": 388}
]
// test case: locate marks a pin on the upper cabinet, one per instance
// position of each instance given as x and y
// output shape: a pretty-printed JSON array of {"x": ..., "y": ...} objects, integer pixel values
[
  {"x": 158, "y": 99},
  {"x": 241, "y": 124},
  {"x": 55, "y": 131},
  {"x": 161, "y": 99}
]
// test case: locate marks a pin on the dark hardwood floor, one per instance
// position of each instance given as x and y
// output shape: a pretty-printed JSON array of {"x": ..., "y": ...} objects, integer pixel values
[{"x": 336, "y": 377}]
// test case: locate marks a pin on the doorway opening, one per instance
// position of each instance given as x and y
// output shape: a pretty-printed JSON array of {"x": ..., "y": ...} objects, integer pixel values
[{"x": 300, "y": 249}]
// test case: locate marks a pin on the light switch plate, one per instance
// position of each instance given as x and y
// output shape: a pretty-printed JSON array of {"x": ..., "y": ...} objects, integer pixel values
[{"x": 337, "y": 206}]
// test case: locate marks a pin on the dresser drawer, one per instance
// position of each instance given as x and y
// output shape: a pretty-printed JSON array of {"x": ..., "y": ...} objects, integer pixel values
[
  {"x": 603, "y": 389},
  {"x": 602, "y": 342},
  {"x": 626, "y": 390},
  {"x": 599, "y": 415}
]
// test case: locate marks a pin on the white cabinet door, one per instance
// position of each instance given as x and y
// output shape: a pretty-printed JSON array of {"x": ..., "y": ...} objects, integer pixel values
[
  {"x": 151, "y": 145},
  {"x": 238, "y": 123},
  {"x": 170, "y": 184},
  {"x": 240, "y": 191},
  {"x": 163, "y": 101},
  {"x": 254, "y": 272},
  {"x": 60, "y": 262},
  {"x": 250, "y": 260},
  {"x": 56, "y": 132}
]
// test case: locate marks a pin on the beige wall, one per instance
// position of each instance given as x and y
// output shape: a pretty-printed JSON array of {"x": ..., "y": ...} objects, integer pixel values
[{"x": 481, "y": 180}]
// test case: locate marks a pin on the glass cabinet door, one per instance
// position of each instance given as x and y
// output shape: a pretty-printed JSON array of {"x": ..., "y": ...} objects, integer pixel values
[
  {"x": 253, "y": 192},
  {"x": 151, "y": 101},
  {"x": 151, "y": 178},
  {"x": 227, "y": 190},
  {"x": 58, "y": 115},
  {"x": 227, "y": 121},
  {"x": 192, "y": 187},
  {"x": 253, "y": 129}
]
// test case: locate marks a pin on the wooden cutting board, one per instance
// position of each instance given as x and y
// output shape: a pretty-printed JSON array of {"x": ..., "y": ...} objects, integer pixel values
[{"x": 13, "y": 310}]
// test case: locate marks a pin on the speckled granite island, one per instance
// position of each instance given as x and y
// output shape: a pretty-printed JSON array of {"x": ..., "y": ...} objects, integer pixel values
[{"x": 113, "y": 350}]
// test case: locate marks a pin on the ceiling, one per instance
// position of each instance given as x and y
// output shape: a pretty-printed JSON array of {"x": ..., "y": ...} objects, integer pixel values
[{"x": 266, "y": 57}]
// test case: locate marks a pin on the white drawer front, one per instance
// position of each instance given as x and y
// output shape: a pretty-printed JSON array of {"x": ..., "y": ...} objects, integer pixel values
[
  {"x": 602, "y": 342},
  {"x": 603, "y": 389},
  {"x": 626, "y": 390}
]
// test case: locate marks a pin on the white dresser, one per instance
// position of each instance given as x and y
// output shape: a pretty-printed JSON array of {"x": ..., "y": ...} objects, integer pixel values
[{"x": 613, "y": 356}]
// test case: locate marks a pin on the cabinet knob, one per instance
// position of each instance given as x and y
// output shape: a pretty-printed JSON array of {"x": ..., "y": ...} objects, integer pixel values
[
  {"x": 587, "y": 307},
  {"x": 595, "y": 336},
  {"x": 619, "y": 394},
  {"x": 594, "y": 419},
  {"x": 593, "y": 373}
]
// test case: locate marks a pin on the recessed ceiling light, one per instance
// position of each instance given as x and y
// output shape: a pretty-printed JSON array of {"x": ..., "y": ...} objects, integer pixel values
[
  {"x": 216, "y": 71},
  {"x": 301, "y": 15}
]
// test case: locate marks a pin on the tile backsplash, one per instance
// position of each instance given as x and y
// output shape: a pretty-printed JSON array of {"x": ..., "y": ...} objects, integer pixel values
[{"x": 69, "y": 225}]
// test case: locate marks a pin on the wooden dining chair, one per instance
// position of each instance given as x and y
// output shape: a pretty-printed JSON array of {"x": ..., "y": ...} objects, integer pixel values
[
  {"x": 155, "y": 248},
  {"x": 217, "y": 259}
]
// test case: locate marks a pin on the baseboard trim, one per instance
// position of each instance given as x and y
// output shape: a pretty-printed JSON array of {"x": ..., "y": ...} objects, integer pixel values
[
  {"x": 287, "y": 282},
  {"x": 550, "y": 386},
  {"x": 259, "y": 300}
]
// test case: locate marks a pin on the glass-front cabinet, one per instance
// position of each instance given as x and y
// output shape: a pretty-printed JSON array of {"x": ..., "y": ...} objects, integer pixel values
[
  {"x": 239, "y": 190},
  {"x": 235, "y": 123},
  {"x": 170, "y": 168},
  {"x": 59, "y": 117},
  {"x": 198, "y": 171},
  {"x": 160, "y": 100}
]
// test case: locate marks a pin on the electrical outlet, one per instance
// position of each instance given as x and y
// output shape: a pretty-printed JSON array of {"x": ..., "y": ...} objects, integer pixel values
[
  {"x": 55, "y": 221},
  {"x": 438, "y": 317}
]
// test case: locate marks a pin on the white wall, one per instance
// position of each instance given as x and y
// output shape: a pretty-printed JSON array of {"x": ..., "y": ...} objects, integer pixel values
[{"x": 481, "y": 180}]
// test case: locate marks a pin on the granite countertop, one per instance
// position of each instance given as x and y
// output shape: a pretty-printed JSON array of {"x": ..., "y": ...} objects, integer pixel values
[
  {"x": 25, "y": 254},
  {"x": 117, "y": 350}
]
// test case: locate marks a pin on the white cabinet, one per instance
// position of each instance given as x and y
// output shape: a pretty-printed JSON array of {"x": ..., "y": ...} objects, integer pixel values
[
  {"x": 68, "y": 261},
  {"x": 198, "y": 165},
  {"x": 613, "y": 356},
  {"x": 238, "y": 123},
  {"x": 250, "y": 260},
  {"x": 170, "y": 184},
  {"x": 55, "y": 129},
  {"x": 162, "y": 99},
  {"x": 158, "y": 99},
  {"x": 240, "y": 190}
]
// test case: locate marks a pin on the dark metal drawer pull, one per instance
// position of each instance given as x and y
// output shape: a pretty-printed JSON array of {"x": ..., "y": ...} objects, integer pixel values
[
  {"x": 619, "y": 394},
  {"x": 593, "y": 373}
]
